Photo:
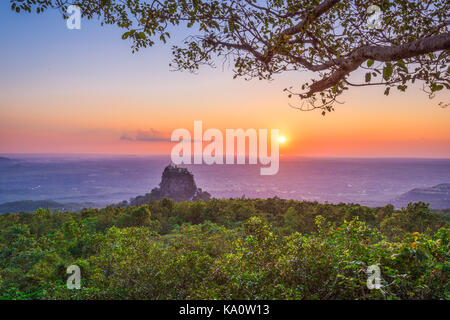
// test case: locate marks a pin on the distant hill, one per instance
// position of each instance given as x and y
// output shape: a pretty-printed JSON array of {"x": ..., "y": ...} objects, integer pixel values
[
  {"x": 3, "y": 159},
  {"x": 31, "y": 206},
  {"x": 438, "y": 196}
]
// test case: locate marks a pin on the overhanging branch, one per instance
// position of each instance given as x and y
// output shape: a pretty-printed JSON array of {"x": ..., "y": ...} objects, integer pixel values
[{"x": 380, "y": 53}]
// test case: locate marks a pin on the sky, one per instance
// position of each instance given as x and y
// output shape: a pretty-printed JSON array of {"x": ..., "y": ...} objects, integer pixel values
[{"x": 83, "y": 91}]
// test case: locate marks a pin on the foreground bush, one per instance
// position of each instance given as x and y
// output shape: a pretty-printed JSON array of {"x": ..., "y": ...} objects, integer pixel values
[{"x": 133, "y": 253}]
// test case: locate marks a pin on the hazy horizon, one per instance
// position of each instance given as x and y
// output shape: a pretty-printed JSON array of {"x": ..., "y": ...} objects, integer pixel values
[
  {"x": 106, "y": 180},
  {"x": 57, "y": 154}
]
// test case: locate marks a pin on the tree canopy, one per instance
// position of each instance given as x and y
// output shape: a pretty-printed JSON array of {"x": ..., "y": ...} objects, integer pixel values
[
  {"x": 331, "y": 38},
  {"x": 227, "y": 249}
]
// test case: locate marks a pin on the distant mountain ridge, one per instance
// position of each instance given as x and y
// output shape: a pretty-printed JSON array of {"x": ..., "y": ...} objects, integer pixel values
[
  {"x": 438, "y": 196},
  {"x": 33, "y": 205}
]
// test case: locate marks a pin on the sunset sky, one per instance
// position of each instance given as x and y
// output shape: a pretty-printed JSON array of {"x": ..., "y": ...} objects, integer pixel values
[{"x": 83, "y": 91}]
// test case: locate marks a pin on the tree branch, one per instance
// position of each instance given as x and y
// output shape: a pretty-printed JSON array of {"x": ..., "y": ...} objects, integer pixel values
[{"x": 380, "y": 53}]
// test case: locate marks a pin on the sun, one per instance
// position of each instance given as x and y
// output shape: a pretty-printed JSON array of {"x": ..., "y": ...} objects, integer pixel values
[{"x": 281, "y": 139}]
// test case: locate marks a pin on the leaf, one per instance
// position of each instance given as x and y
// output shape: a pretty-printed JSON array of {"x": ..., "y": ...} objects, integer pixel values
[
  {"x": 370, "y": 63},
  {"x": 127, "y": 34},
  {"x": 401, "y": 64},
  {"x": 436, "y": 87},
  {"x": 368, "y": 76},
  {"x": 387, "y": 71},
  {"x": 386, "y": 92}
]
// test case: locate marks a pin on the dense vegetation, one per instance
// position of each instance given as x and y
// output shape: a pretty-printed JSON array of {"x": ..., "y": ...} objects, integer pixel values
[{"x": 226, "y": 249}]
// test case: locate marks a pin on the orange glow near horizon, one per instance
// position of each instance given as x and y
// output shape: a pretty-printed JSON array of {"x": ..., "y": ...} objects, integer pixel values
[
  {"x": 369, "y": 125},
  {"x": 119, "y": 103}
]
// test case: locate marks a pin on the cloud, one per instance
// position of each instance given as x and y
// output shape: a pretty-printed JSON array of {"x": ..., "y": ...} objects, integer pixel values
[
  {"x": 151, "y": 135},
  {"x": 126, "y": 138}
]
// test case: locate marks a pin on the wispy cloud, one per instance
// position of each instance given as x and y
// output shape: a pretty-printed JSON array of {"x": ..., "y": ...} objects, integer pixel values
[
  {"x": 151, "y": 135},
  {"x": 126, "y": 138}
]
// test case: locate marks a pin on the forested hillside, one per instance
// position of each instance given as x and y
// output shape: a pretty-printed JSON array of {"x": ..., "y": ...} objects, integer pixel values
[{"x": 226, "y": 249}]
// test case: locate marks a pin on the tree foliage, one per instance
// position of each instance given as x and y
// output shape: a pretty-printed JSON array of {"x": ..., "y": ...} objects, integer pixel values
[
  {"x": 226, "y": 249},
  {"x": 331, "y": 38}
]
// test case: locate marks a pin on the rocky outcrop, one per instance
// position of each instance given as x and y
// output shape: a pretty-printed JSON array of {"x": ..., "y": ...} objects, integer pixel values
[
  {"x": 438, "y": 196},
  {"x": 177, "y": 184}
]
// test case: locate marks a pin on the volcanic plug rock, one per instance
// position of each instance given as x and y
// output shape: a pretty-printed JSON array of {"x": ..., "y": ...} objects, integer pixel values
[{"x": 177, "y": 184}]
